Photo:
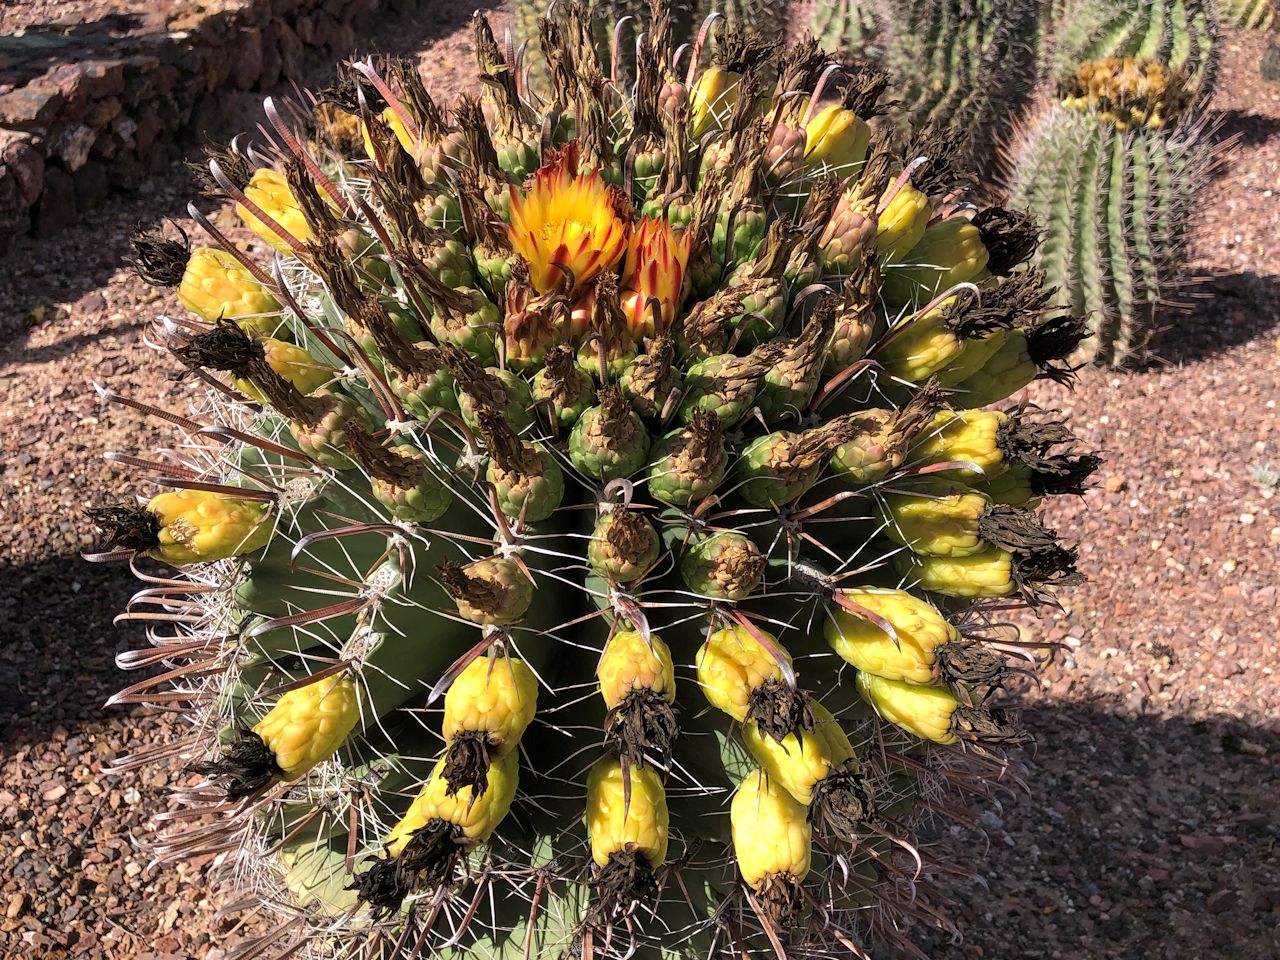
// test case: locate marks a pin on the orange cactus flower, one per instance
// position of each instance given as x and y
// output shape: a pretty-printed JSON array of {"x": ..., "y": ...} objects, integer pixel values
[
  {"x": 569, "y": 226},
  {"x": 654, "y": 267}
]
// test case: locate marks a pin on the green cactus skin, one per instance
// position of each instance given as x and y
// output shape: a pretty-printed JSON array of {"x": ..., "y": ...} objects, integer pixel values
[
  {"x": 726, "y": 533},
  {"x": 1116, "y": 207},
  {"x": 1247, "y": 14},
  {"x": 850, "y": 26},
  {"x": 962, "y": 64},
  {"x": 1181, "y": 34}
]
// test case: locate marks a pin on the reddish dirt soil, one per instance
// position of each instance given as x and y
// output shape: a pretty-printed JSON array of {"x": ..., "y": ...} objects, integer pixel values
[{"x": 1148, "y": 829}]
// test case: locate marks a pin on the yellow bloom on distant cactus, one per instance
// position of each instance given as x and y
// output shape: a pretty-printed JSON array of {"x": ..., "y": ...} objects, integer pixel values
[
  {"x": 569, "y": 226},
  {"x": 923, "y": 711},
  {"x": 920, "y": 630},
  {"x": 200, "y": 526},
  {"x": 731, "y": 664},
  {"x": 771, "y": 832},
  {"x": 654, "y": 268},
  {"x": 300, "y": 368},
  {"x": 615, "y": 825},
  {"x": 269, "y": 191},
  {"x": 497, "y": 697},
  {"x": 712, "y": 99},
  {"x": 799, "y": 761},
  {"x": 215, "y": 286},
  {"x": 477, "y": 816},
  {"x": 629, "y": 663},
  {"x": 987, "y": 573},
  {"x": 836, "y": 139},
  {"x": 1127, "y": 91},
  {"x": 902, "y": 223},
  {"x": 309, "y": 724}
]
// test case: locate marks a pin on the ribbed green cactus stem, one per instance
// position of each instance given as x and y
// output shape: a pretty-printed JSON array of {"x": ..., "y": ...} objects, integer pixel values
[
  {"x": 966, "y": 65},
  {"x": 1116, "y": 207},
  {"x": 1181, "y": 34},
  {"x": 851, "y": 27},
  {"x": 1247, "y": 14}
]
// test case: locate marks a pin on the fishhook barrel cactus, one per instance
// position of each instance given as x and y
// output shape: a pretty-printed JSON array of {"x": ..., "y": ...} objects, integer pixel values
[
  {"x": 584, "y": 540},
  {"x": 1113, "y": 171}
]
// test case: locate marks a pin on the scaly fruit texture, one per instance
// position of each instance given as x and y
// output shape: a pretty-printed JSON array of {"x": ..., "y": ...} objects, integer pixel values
[
  {"x": 1182, "y": 35},
  {"x": 633, "y": 436},
  {"x": 1115, "y": 193}
]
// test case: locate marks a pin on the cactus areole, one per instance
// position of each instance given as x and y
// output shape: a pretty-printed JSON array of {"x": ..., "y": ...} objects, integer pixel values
[{"x": 590, "y": 564}]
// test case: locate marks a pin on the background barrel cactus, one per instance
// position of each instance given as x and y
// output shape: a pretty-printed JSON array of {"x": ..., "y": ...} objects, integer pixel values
[
  {"x": 1180, "y": 34},
  {"x": 1247, "y": 14},
  {"x": 584, "y": 540},
  {"x": 1113, "y": 172},
  {"x": 963, "y": 65}
]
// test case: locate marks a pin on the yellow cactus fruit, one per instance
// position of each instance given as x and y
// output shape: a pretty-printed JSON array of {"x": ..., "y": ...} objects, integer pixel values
[
  {"x": 836, "y": 138},
  {"x": 630, "y": 663},
  {"x": 732, "y": 664},
  {"x": 922, "y": 344},
  {"x": 200, "y": 526},
  {"x": 476, "y": 815},
  {"x": 269, "y": 191},
  {"x": 617, "y": 826},
  {"x": 771, "y": 832},
  {"x": 712, "y": 99},
  {"x": 306, "y": 726},
  {"x": 971, "y": 436},
  {"x": 423, "y": 848},
  {"x": 493, "y": 697},
  {"x": 638, "y": 684},
  {"x": 393, "y": 121},
  {"x": 309, "y": 724},
  {"x": 902, "y": 223},
  {"x": 296, "y": 365},
  {"x": 921, "y": 710},
  {"x": 940, "y": 522},
  {"x": 973, "y": 356},
  {"x": 950, "y": 251},
  {"x": 1011, "y": 487},
  {"x": 920, "y": 630},
  {"x": 215, "y": 286},
  {"x": 1007, "y": 370},
  {"x": 799, "y": 761},
  {"x": 987, "y": 573}
]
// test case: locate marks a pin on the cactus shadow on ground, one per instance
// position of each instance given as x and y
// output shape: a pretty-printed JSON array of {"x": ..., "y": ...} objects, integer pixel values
[
  {"x": 1144, "y": 838},
  {"x": 1244, "y": 129},
  {"x": 1218, "y": 312}
]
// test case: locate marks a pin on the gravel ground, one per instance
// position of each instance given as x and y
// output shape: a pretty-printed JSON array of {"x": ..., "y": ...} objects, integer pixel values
[{"x": 1149, "y": 829}]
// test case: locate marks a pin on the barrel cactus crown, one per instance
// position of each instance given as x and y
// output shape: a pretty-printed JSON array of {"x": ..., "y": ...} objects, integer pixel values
[
  {"x": 1180, "y": 34},
  {"x": 586, "y": 538},
  {"x": 1113, "y": 171}
]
